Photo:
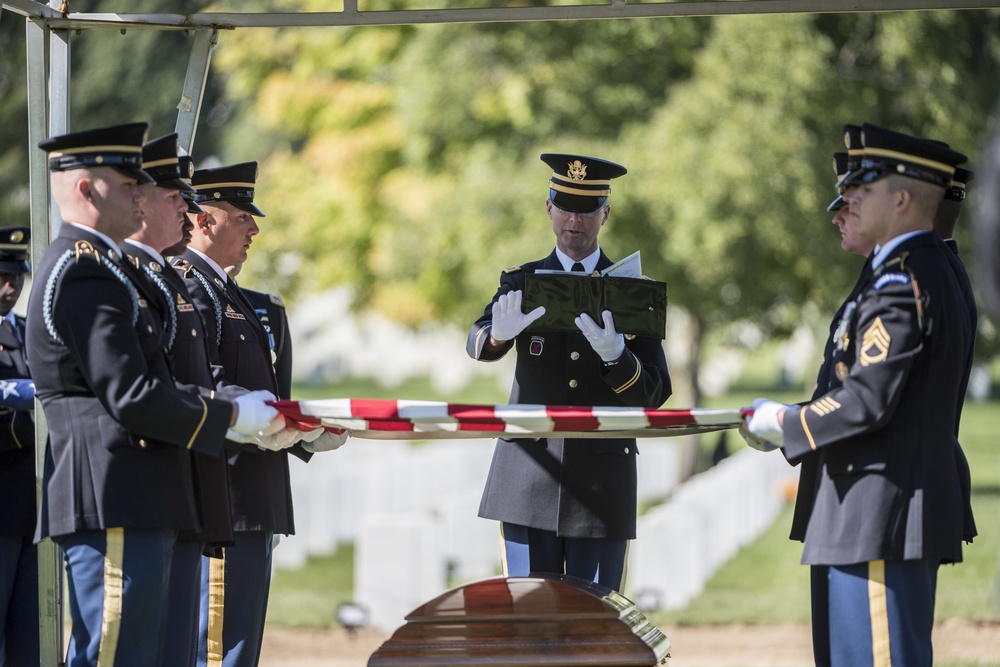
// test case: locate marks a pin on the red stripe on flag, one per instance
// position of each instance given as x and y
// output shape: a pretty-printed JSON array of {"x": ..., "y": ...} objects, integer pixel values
[
  {"x": 572, "y": 418},
  {"x": 660, "y": 418},
  {"x": 482, "y": 417},
  {"x": 389, "y": 425},
  {"x": 482, "y": 426},
  {"x": 374, "y": 408},
  {"x": 287, "y": 408}
]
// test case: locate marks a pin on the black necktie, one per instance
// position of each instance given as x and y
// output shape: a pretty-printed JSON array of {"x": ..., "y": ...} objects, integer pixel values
[
  {"x": 577, "y": 266},
  {"x": 9, "y": 328}
]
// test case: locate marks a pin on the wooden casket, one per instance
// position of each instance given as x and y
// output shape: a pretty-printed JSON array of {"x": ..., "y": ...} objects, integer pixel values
[{"x": 547, "y": 620}]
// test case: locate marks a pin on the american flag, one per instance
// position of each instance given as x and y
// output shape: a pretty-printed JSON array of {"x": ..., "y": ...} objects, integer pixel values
[{"x": 406, "y": 419}]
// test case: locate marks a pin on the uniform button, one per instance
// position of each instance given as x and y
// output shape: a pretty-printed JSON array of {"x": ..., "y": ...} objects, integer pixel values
[
  {"x": 149, "y": 328},
  {"x": 850, "y": 467},
  {"x": 142, "y": 442},
  {"x": 626, "y": 450},
  {"x": 573, "y": 383},
  {"x": 574, "y": 355},
  {"x": 242, "y": 337},
  {"x": 194, "y": 333}
]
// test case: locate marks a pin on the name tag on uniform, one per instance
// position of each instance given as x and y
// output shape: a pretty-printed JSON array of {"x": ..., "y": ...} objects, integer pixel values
[{"x": 184, "y": 306}]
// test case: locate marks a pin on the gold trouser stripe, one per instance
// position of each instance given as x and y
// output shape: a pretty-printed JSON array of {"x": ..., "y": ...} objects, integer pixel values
[
  {"x": 879, "y": 614},
  {"x": 114, "y": 589},
  {"x": 503, "y": 553},
  {"x": 13, "y": 433},
  {"x": 805, "y": 427},
  {"x": 216, "y": 608},
  {"x": 624, "y": 581},
  {"x": 635, "y": 377},
  {"x": 204, "y": 416}
]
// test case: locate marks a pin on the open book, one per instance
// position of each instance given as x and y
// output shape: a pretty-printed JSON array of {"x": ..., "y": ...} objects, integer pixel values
[{"x": 639, "y": 306}]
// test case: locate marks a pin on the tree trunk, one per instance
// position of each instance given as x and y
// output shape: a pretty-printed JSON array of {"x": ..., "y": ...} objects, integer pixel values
[{"x": 690, "y": 458}]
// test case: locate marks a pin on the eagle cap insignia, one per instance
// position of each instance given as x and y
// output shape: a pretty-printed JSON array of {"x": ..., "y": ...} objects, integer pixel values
[
  {"x": 847, "y": 139},
  {"x": 576, "y": 170},
  {"x": 17, "y": 236}
]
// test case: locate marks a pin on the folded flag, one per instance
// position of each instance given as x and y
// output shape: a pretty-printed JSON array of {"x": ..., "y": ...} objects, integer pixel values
[{"x": 422, "y": 420}]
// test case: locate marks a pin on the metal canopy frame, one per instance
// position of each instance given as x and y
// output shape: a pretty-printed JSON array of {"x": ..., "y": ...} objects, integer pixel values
[{"x": 48, "y": 29}]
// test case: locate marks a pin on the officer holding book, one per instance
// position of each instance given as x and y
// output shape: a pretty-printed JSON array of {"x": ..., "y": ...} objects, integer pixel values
[{"x": 568, "y": 505}]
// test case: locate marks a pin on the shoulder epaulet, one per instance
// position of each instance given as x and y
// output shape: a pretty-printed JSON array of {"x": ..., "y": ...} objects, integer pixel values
[
  {"x": 181, "y": 265},
  {"x": 512, "y": 269},
  {"x": 85, "y": 249},
  {"x": 276, "y": 300}
]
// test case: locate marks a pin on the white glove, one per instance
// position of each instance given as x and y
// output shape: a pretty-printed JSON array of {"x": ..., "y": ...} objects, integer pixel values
[
  {"x": 326, "y": 442},
  {"x": 764, "y": 424},
  {"x": 311, "y": 434},
  {"x": 508, "y": 320},
  {"x": 607, "y": 342},
  {"x": 276, "y": 441},
  {"x": 753, "y": 441},
  {"x": 252, "y": 414}
]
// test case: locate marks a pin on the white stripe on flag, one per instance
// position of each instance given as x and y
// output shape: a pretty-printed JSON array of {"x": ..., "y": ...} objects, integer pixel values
[
  {"x": 421, "y": 409},
  {"x": 717, "y": 416},
  {"x": 327, "y": 407},
  {"x": 612, "y": 418},
  {"x": 524, "y": 418}
]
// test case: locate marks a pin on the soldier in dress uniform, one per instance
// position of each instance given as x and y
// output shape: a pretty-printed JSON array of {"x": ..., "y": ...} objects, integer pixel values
[
  {"x": 270, "y": 310},
  {"x": 19, "y": 640},
  {"x": 164, "y": 214},
  {"x": 568, "y": 505},
  {"x": 234, "y": 588},
  {"x": 117, "y": 482},
  {"x": 829, "y": 376},
  {"x": 888, "y": 508}
]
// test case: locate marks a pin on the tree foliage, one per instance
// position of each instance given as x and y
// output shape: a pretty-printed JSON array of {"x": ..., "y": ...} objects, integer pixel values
[{"x": 403, "y": 160}]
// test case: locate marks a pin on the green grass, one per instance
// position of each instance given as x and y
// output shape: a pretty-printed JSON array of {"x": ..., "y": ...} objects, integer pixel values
[
  {"x": 763, "y": 583},
  {"x": 308, "y": 597}
]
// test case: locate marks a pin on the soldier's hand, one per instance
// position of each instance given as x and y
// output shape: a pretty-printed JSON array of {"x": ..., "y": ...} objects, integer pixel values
[
  {"x": 766, "y": 423},
  {"x": 508, "y": 320},
  {"x": 253, "y": 415},
  {"x": 277, "y": 440},
  {"x": 753, "y": 441},
  {"x": 326, "y": 442},
  {"x": 607, "y": 342},
  {"x": 311, "y": 434}
]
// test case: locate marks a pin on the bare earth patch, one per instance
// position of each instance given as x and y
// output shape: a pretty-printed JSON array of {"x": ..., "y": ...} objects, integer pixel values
[{"x": 722, "y": 646}]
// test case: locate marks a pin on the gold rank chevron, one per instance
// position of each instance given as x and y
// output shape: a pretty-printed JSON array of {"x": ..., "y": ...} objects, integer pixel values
[
  {"x": 824, "y": 406},
  {"x": 875, "y": 343}
]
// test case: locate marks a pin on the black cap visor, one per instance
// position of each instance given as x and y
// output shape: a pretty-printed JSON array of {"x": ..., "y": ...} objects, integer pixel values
[{"x": 576, "y": 203}]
